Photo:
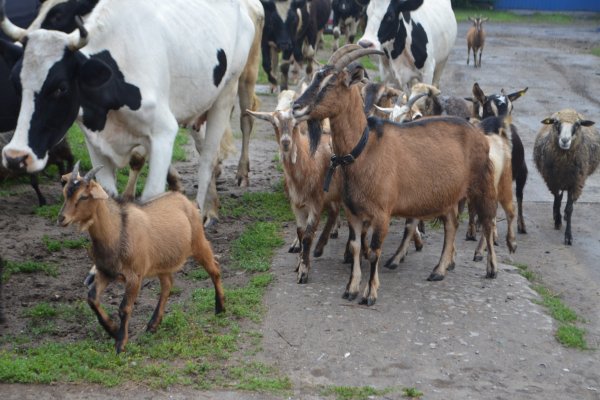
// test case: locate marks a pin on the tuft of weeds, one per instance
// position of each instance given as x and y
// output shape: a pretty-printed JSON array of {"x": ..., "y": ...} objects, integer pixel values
[
  {"x": 411, "y": 392},
  {"x": 596, "y": 51},
  {"x": 54, "y": 245},
  {"x": 28, "y": 267},
  {"x": 567, "y": 333},
  {"x": 353, "y": 392}
]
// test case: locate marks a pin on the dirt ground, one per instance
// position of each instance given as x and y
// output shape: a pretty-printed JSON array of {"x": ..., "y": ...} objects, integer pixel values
[{"x": 465, "y": 337}]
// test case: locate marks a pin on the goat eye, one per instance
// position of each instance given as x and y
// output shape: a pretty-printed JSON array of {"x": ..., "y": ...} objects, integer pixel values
[{"x": 81, "y": 198}]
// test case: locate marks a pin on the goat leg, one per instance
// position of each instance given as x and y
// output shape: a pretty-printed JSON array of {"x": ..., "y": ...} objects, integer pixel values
[
  {"x": 409, "y": 230},
  {"x": 93, "y": 299},
  {"x": 491, "y": 269},
  {"x": 379, "y": 234},
  {"x": 309, "y": 234},
  {"x": 557, "y": 217},
  {"x": 472, "y": 228},
  {"x": 568, "y": 212},
  {"x": 132, "y": 288},
  {"x": 352, "y": 287},
  {"x": 348, "y": 251},
  {"x": 450, "y": 221},
  {"x": 332, "y": 217},
  {"x": 166, "y": 282},
  {"x": 33, "y": 180}
]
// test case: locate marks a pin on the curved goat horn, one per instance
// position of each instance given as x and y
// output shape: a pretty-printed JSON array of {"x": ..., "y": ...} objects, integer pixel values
[
  {"x": 76, "y": 42},
  {"x": 10, "y": 29},
  {"x": 92, "y": 174},
  {"x": 346, "y": 59},
  {"x": 413, "y": 100},
  {"x": 342, "y": 51},
  {"x": 75, "y": 172}
]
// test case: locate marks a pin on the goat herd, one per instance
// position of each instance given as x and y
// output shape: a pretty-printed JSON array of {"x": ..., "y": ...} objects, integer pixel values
[{"x": 345, "y": 143}]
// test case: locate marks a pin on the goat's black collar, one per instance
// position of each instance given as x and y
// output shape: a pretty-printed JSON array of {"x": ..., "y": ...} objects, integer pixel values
[{"x": 347, "y": 159}]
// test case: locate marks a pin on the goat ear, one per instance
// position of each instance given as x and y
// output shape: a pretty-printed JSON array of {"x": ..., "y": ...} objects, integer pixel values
[
  {"x": 266, "y": 116},
  {"x": 97, "y": 192},
  {"x": 586, "y": 122},
  {"x": 478, "y": 93},
  {"x": 516, "y": 95},
  {"x": 65, "y": 178},
  {"x": 469, "y": 99},
  {"x": 548, "y": 121},
  {"x": 355, "y": 76}
]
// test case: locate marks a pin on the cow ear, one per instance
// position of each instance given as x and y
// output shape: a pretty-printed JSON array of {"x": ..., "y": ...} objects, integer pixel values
[
  {"x": 94, "y": 73},
  {"x": 85, "y": 6},
  {"x": 10, "y": 52}
]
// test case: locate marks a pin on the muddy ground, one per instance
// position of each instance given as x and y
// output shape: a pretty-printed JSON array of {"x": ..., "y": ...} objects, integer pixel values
[{"x": 465, "y": 337}]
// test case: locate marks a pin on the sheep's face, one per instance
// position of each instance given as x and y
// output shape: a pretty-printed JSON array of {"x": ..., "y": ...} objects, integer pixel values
[
  {"x": 566, "y": 132},
  {"x": 80, "y": 201}
]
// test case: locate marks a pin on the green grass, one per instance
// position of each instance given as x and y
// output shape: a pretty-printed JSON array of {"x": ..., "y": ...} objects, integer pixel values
[
  {"x": 496, "y": 16},
  {"x": 411, "y": 392},
  {"x": 568, "y": 334},
  {"x": 353, "y": 392},
  {"x": 54, "y": 245},
  {"x": 191, "y": 347},
  {"x": 596, "y": 51},
  {"x": 28, "y": 267}
]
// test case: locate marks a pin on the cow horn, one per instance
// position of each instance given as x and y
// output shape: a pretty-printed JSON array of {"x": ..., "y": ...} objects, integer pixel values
[
  {"x": 346, "y": 59},
  {"x": 76, "y": 42},
  {"x": 11, "y": 30},
  {"x": 92, "y": 174}
]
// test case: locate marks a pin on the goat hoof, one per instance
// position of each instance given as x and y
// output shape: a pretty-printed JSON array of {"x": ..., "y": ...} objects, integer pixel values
[
  {"x": 433, "y": 277},
  {"x": 333, "y": 235},
  {"x": 478, "y": 257},
  {"x": 418, "y": 247},
  {"x": 318, "y": 253},
  {"x": 243, "y": 181},
  {"x": 151, "y": 328},
  {"x": 303, "y": 278},
  {"x": 119, "y": 347},
  {"x": 219, "y": 309},
  {"x": 521, "y": 229},
  {"x": 348, "y": 258},
  {"x": 294, "y": 250},
  {"x": 349, "y": 296},
  {"x": 568, "y": 241},
  {"x": 390, "y": 264},
  {"x": 496, "y": 243},
  {"x": 491, "y": 275},
  {"x": 89, "y": 280},
  {"x": 451, "y": 266},
  {"x": 210, "y": 222}
]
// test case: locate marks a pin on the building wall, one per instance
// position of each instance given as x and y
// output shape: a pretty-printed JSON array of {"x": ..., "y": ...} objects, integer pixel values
[{"x": 549, "y": 5}]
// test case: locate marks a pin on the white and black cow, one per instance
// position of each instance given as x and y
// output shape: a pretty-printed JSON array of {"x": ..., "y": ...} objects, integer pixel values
[
  {"x": 275, "y": 39},
  {"x": 145, "y": 67},
  {"x": 346, "y": 16},
  {"x": 416, "y": 36}
]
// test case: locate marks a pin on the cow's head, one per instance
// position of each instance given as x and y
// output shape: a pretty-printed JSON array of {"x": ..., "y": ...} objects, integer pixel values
[
  {"x": 60, "y": 15},
  {"x": 383, "y": 20},
  {"x": 278, "y": 29}
]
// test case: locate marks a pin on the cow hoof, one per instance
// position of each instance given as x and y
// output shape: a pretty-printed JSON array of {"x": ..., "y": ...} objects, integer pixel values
[
  {"x": 318, "y": 253},
  {"x": 390, "y": 264},
  {"x": 477, "y": 257},
  {"x": 435, "y": 277}
]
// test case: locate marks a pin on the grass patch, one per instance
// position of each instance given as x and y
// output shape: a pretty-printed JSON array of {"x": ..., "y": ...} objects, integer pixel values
[
  {"x": 595, "y": 51},
  {"x": 253, "y": 250},
  {"x": 567, "y": 333},
  {"x": 354, "y": 393},
  {"x": 262, "y": 206},
  {"x": 28, "y": 267},
  {"x": 54, "y": 245},
  {"x": 412, "y": 392},
  {"x": 462, "y": 15}
]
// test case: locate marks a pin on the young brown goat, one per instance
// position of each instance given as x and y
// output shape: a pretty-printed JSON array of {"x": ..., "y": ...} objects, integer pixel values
[
  {"x": 304, "y": 177},
  {"x": 418, "y": 170},
  {"x": 476, "y": 40},
  {"x": 131, "y": 242}
]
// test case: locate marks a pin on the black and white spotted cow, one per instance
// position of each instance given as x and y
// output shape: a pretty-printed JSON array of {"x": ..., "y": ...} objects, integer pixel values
[
  {"x": 346, "y": 16},
  {"x": 144, "y": 68},
  {"x": 416, "y": 36},
  {"x": 275, "y": 39}
]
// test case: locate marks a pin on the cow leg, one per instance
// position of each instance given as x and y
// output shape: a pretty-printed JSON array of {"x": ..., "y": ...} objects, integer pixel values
[
  {"x": 380, "y": 229},
  {"x": 352, "y": 287},
  {"x": 35, "y": 184},
  {"x": 161, "y": 150},
  {"x": 216, "y": 123},
  {"x": 446, "y": 260},
  {"x": 106, "y": 176}
]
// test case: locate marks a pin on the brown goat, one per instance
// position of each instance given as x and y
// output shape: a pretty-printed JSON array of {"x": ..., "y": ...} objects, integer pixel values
[
  {"x": 418, "y": 170},
  {"x": 476, "y": 40},
  {"x": 304, "y": 177},
  {"x": 131, "y": 242}
]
